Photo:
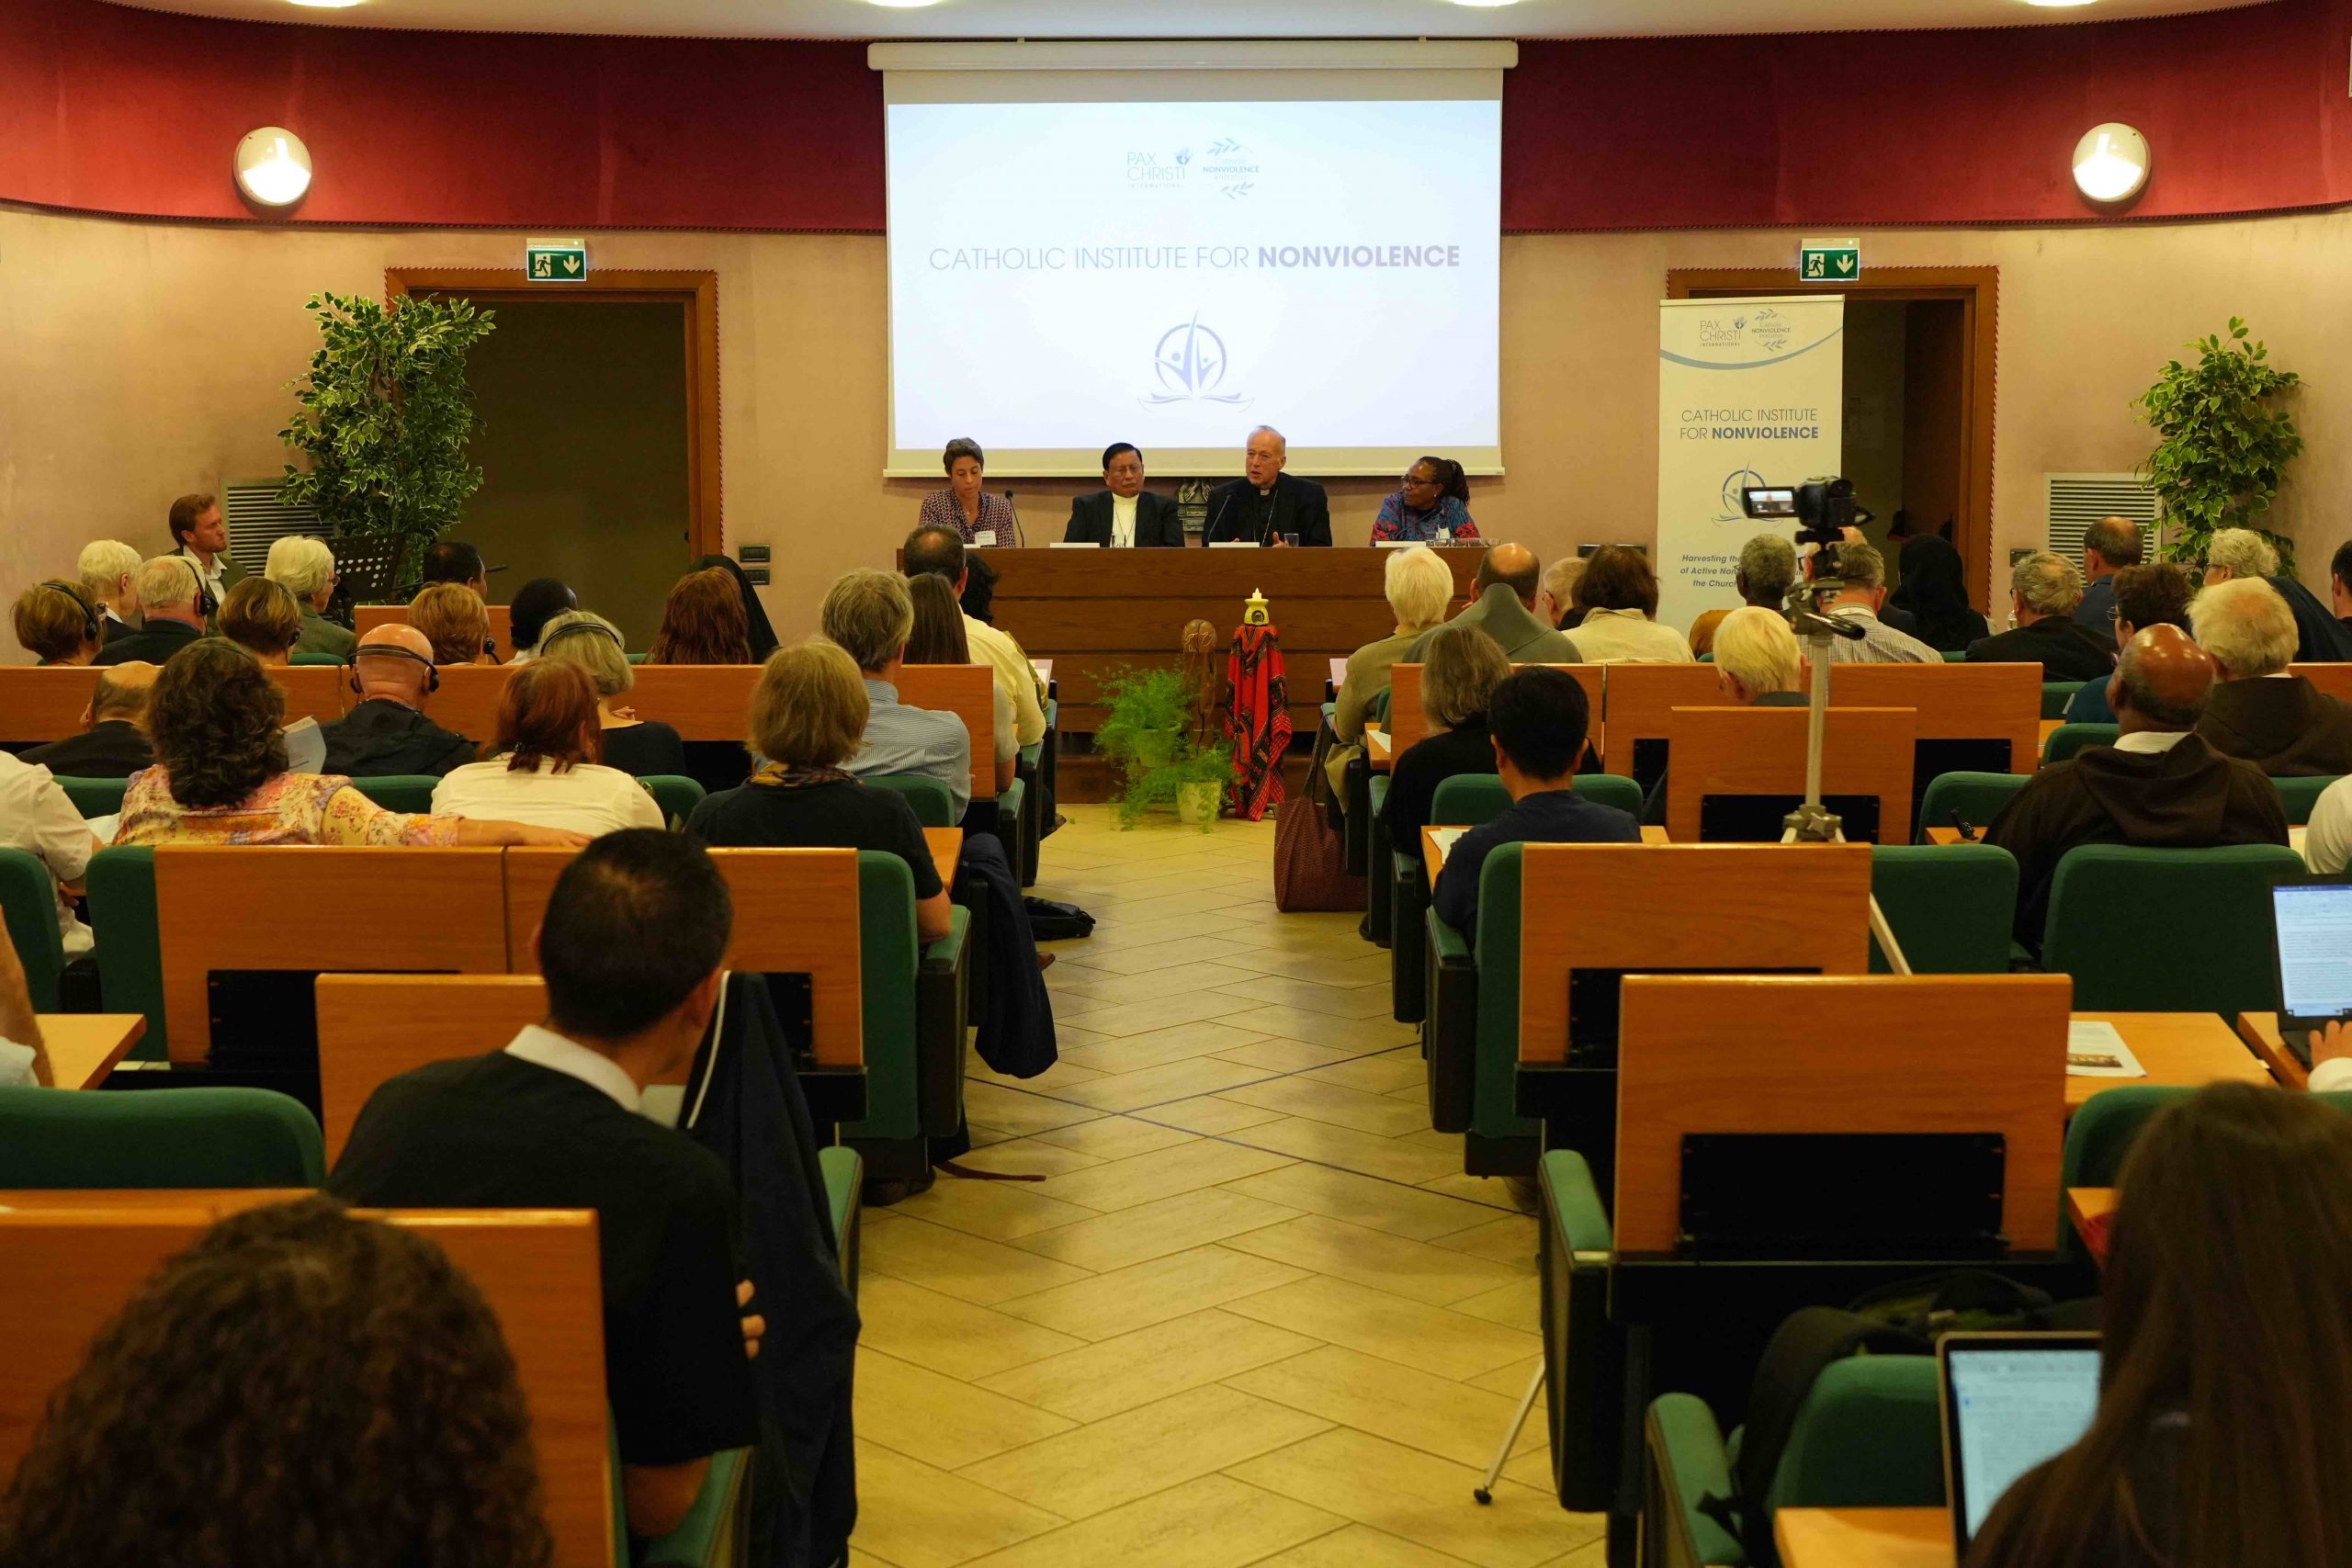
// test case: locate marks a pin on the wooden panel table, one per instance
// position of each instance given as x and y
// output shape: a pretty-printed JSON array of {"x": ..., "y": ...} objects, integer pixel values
[
  {"x": 1378, "y": 748},
  {"x": 2260, "y": 1031},
  {"x": 946, "y": 844},
  {"x": 84, "y": 1047},
  {"x": 2087, "y": 1207},
  {"x": 1433, "y": 851},
  {"x": 2191, "y": 1049},
  {"x": 1863, "y": 1537}
]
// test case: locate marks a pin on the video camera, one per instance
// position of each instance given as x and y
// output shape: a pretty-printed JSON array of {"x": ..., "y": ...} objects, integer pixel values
[{"x": 1824, "y": 508}]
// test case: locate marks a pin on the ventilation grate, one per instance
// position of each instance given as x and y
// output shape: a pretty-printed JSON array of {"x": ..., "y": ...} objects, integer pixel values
[
  {"x": 2077, "y": 501},
  {"x": 258, "y": 519}
]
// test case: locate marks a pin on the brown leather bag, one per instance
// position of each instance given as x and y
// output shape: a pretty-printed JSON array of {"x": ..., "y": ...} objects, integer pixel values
[{"x": 1311, "y": 862}]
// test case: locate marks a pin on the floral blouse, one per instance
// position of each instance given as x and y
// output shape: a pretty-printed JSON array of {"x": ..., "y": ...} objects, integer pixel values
[
  {"x": 292, "y": 808},
  {"x": 1396, "y": 521}
]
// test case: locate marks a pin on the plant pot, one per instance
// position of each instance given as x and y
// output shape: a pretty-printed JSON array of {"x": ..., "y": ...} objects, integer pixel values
[
  {"x": 1198, "y": 801},
  {"x": 1156, "y": 749}
]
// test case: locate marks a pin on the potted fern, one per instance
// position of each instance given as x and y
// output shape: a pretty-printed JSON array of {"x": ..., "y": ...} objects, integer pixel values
[
  {"x": 1164, "y": 751},
  {"x": 2223, "y": 448}
]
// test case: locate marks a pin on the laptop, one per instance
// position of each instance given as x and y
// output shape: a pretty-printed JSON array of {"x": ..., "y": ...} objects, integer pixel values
[
  {"x": 2010, "y": 1400},
  {"x": 2311, "y": 920}
]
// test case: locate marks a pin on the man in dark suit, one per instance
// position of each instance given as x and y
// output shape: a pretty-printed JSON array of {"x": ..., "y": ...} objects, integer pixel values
[
  {"x": 2044, "y": 591},
  {"x": 1266, "y": 506},
  {"x": 1123, "y": 512},
  {"x": 168, "y": 586},
  {"x": 2260, "y": 712},
  {"x": 387, "y": 732},
  {"x": 113, "y": 743}
]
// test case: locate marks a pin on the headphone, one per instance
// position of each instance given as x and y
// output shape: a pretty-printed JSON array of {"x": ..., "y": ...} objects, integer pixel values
[
  {"x": 205, "y": 605},
  {"x": 571, "y": 628},
  {"x": 91, "y": 631},
  {"x": 387, "y": 650}
]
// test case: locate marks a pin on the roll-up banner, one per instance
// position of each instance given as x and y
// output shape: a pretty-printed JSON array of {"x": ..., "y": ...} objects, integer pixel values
[{"x": 1750, "y": 393}]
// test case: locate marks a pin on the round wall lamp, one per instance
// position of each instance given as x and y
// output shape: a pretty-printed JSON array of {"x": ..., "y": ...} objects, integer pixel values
[
  {"x": 272, "y": 166},
  {"x": 2111, "y": 164}
]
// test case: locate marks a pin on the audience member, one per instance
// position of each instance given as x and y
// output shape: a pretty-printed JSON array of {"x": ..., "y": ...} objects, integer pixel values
[
  {"x": 1539, "y": 718},
  {"x": 221, "y": 777},
  {"x": 642, "y": 746},
  {"x": 543, "y": 766},
  {"x": 807, "y": 713},
  {"x": 455, "y": 561},
  {"x": 1458, "y": 680},
  {"x": 1419, "y": 585},
  {"x": 39, "y": 817},
  {"x": 2044, "y": 592},
  {"x": 200, "y": 536},
  {"x": 109, "y": 572},
  {"x": 169, "y": 619},
  {"x": 57, "y": 626},
  {"x": 2260, "y": 712},
  {"x": 2109, "y": 545},
  {"x": 2224, "y": 1363},
  {"x": 455, "y": 622},
  {"x": 1767, "y": 567},
  {"x": 1758, "y": 664},
  {"x": 2234, "y": 553},
  {"x": 299, "y": 1387},
  {"x": 939, "y": 638},
  {"x": 1555, "y": 599},
  {"x": 1504, "y": 608},
  {"x": 868, "y": 615},
  {"x": 703, "y": 623},
  {"x": 1934, "y": 593},
  {"x": 387, "y": 731},
  {"x": 263, "y": 618},
  {"x": 755, "y": 616},
  {"x": 939, "y": 550},
  {"x": 1618, "y": 594},
  {"x": 2327, "y": 841},
  {"x": 2339, "y": 587},
  {"x": 2153, "y": 594},
  {"x": 536, "y": 603},
  {"x": 24, "y": 1055},
  {"x": 1863, "y": 571},
  {"x": 2159, "y": 786},
  {"x": 113, "y": 742},
  {"x": 305, "y": 567}
]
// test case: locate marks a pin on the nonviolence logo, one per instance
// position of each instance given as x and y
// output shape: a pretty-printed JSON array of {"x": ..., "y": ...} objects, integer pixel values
[{"x": 1189, "y": 362}]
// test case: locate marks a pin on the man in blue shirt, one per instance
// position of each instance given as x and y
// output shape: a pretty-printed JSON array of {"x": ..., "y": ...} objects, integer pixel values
[
  {"x": 2109, "y": 545},
  {"x": 870, "y": 615},
  {"x": 1538, "y": 718}
]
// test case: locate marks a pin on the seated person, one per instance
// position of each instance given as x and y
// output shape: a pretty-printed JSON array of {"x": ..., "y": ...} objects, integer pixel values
[
  {"x": 455, "y": 561},
  {"x": 1934, "y": 593},
  {"x": 1556, "y": 599},
  {"x": 58, "y": 626},
  {"x": 536, "y": 603},
  {"x": 2234, "y": 553},
  {"x": 1539, "y": 720},
  {"x": 263, "y": 618},
  {"x": 1265, "y": 505},
  {"x": 1618, "y": 594},
  {"x": 644, "y": 747},
  {"x": 2339, "y": 588},
  {"x": 2159, "y": 786},
  {"x": 1767, "y": 567},
  {"x": 2156, "y": 595},
  {"x": 409, "y": 1442},
  {"x": 940, "y": 551},
  {"x": 1433, "y": 503},
  {"x": 1863, "y": 571},
  {"x": 169, "y": 619},
  {"x": 455, "y": 622},
  {"x": 542, "y": 767},
  {"x": 756, "y": 616},
  {"x": 2260, "y": 711},
  {"x": 1122, "y": 513},
  {"x": 807, "y": 712},
  {"x": 1419, "y": 586},
  {"x": 113, "y": 742},
  {"x": 552, "y": 1122},
  {"x": 38, "y": 818},
  {"x": 2327, "y": 841},
  {"x": 2109, "y": 545},
  {"x": 2044, "y": 591},
  {"x": 1758, "y": 664},
  {"x": 1508, "y": 577},
  {"x": 938, "y": 637},
  {"x": 1458, "y": 680},
  {"x": 221, "y": 777},
  {"x": 387, "y": 731},
  {"x": 305, "y": 567},
  {"x": 2223, "y": 1373},
  {"x": 703, "y": 623},
  {"x": 868, "y": 615},
  {"x": 108, "y": 571}
]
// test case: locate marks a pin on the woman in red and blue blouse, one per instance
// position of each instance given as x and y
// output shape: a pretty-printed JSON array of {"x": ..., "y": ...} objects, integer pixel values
[{"x": 1432, "y": 508}]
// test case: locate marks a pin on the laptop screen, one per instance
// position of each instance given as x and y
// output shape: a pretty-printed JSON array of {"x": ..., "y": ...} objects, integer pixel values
[
  {"x": 2011, "y": 1403},
  {"x": 2314, "y": 920}
]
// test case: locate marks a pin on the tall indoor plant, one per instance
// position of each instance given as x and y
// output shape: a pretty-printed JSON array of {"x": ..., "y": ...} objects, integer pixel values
[
  {"x": 2222, "y": 447},
  {"x": 384, "y": 417}
]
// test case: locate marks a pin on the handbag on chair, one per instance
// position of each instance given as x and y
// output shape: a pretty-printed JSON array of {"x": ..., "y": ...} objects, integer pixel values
[{"x": 1311, "y": 862}]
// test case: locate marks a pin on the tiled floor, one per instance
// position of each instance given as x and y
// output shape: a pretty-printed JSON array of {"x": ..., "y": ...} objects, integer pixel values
[{"x": 1255, "y": 1313}]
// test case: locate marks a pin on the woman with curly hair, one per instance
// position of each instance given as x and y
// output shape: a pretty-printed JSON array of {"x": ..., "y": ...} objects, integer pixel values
[
  {"x": 221, "y": 772},
  {"x": 299, "y": 1387},
  {"x": 703, "y": 623}
]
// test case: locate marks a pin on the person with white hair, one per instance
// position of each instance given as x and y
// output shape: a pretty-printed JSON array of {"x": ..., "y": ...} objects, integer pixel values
[
  {"x": 2261, "y": 711},
  {"x": 1419, "y": 586},
  {"x": 304, "y": 567},
  {"x": 1555, "y": 597},
  {"x": 2233, "y": 554},
  {"x": 1265, "y": 505},
  {"x": 1759, "y": 663},
  {"x": 2045, "y": 590},
  {"x": 109, "y": 571},
  {"x": 169, "y": 588}
]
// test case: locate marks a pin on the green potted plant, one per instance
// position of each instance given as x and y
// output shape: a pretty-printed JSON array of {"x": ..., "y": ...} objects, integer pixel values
[
  {"x": 2222, "y": 448},
  {"x": 384, "y": 415},
  {"x": 1149, "y": 708},
  {"x": 1201, "y": 776}
]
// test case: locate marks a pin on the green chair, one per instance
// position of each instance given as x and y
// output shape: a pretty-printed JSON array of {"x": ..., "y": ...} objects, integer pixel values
[
  {"x": 2298, "y": 795},
  {"x": 913, "y": 1018},
  {"x": 411, "y": 793},
  {"x": 309, "y": 659},
  {"x": 2056, "y": 694},
  {"x": 715, "y": 1528},
  {"x": 1951, "y": 905},
  {"x": 2068, "y": 739},
  {"x": 93, "y": 798},
  {"x": 675, "y": 793},
  {"x": 1955, "y": 656},
  {"x": 844, "y": 1176},
  {"x": 121, "y": 885},
  {"x": 934, "y": 806},
  {"x": 2116, "y": 924},
  {"x": 636, "y": 658},
  {"x": 1979, "y": 798},
  {"x": 1471, "y": 1035},
  {"x": 165, "y": 1137},
  {"x": 29, "y": 906}
]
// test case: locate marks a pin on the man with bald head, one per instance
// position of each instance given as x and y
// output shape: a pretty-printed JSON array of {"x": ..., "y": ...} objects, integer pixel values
[
  {"x": 113, "y": 742},
  {"x": 1265, "y": 505},
  {"x": 2159, "y": 786},
  {"x": 1509, "y": 576},
  {"x": 386, "y": 731}
]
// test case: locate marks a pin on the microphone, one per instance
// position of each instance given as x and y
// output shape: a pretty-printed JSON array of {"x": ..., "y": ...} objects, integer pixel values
[
  {"x": 1017, "y": 539},
  {"x": 1210, "y": 537}
]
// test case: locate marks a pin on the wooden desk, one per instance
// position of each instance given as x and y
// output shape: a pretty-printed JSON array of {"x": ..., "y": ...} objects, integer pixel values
[
  {"x": 701, "y": 702},
  {"x": 84, "y": 1046},
  {"x": 1952, "y": 836},
  {"x": 2332, "y": 680},
  {"x": 45, "y": 704},
  {"x": 2087, "y": 1206},
  {"x": 1433, "y": 853},
  {"x": 1378, "y": 749},
  {"x": 2049, "y": 728},
  {"x": 2260, "y": 1031},
  {"x": 1863, "y": 1537},
  {"x": 2190, "y": 1049},
  {"x": 967, "y": 690},
  {"x": 946, "y": 844}
]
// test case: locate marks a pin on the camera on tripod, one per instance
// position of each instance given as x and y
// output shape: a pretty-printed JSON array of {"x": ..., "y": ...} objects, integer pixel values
[{"x": 1824, "y": 508}]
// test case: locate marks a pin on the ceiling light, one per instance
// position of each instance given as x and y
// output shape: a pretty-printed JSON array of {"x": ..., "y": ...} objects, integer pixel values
[
  {"x": 272, "y": 166},
  {"x": 2110, "y": 163}
]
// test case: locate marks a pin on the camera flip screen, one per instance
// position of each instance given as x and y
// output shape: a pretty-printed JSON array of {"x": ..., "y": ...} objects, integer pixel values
[{"x": 1780, "y": 503}]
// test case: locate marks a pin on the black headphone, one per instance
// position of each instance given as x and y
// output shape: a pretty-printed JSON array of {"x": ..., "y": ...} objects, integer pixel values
[
  {"x": 571, "y": 628},
  {"x": 91, "y": 631},
  {"x": 387, "y": 650},
  {"x": 205, "y": 605}
]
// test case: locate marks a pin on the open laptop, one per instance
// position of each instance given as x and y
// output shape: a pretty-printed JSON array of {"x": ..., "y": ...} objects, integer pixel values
[
  {"x": 2311, "y": 919},
  {"x": 2010, "y": 1400}
]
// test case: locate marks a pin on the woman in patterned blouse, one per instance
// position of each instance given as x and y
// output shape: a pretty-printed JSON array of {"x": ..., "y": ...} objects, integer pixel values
[
  {"x": 1435, "y": 500},
  {"x": 964, "y": 505},
  {"x": 219, "y": 775}
]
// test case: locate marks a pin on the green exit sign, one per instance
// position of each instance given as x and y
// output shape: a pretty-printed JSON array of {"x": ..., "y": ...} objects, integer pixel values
[
  {"x": 1829, "y": 261},
  {"x": 556, "y": 261}
]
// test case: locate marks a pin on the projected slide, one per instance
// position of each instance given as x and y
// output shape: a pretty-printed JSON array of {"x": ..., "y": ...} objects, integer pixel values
[{"x": 1066, "y": 275}]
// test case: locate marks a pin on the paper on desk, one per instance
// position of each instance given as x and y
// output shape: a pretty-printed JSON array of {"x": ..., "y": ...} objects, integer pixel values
[
  {"x": 1377, "y": 740},
  {"x": 1444, "y": 837},
  {"x": 2088, "y": 1037}
]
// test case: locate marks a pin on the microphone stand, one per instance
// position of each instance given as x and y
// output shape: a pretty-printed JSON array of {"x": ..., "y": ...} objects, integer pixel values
[{"x": 1018, "y": 541}]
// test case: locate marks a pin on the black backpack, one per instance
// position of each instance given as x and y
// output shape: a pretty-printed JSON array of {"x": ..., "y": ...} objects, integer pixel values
[{"x": 1053, "y": 922}]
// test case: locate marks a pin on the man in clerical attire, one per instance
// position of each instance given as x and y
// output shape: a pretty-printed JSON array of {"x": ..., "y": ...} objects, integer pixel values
[
  {"x": 1266, "y": 506},
  {"x": 1122, "y": 513}
]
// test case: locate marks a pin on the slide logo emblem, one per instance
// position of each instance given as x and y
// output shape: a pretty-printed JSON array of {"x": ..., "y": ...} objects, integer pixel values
[{"x": 1190, "y": 362}]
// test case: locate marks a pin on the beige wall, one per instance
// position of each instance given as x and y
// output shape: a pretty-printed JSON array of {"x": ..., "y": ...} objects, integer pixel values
[{"x": 141, "y": 360}]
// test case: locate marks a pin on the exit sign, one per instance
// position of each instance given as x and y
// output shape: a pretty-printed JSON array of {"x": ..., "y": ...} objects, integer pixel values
[
  {"x": 1829, "y": 261},
  {"x": 556, "y": 261}
]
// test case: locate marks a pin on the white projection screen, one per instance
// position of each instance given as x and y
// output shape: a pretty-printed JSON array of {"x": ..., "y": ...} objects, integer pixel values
[{"x": 1171, "y": 255}]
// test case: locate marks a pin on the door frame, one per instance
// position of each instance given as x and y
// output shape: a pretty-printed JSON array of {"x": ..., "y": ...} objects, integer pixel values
[
  {"x": 698, "y": 292},
  {"x": 1978, "y": 290}
]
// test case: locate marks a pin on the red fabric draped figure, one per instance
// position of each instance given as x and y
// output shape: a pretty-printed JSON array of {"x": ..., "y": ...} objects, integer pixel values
[{"x": 1256, "y": 719}]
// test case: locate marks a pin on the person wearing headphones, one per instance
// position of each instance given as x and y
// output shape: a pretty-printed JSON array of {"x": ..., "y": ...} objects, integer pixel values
[
  {"x": 175, "y": 604},
  {"x": 386, "y": 731},
  {"x": 57, "y": 625},
  {"x": 200, "y": 536}
]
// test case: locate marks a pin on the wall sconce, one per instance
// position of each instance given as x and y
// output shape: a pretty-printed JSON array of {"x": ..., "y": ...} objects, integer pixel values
[
  {"x": 272, "y": 166},
  {"x": 2111, "y": 164}
]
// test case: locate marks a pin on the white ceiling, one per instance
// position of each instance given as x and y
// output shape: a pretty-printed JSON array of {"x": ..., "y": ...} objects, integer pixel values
[{"x": 1177, "y": 19}]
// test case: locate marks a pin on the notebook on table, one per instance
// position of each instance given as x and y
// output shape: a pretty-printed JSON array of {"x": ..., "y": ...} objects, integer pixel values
[
  {"x": 2312, "y": 921},
  {"x": 2010, "y": 1400}
]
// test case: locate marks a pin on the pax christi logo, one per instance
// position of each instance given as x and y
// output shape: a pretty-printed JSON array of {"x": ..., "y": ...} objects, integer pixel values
[{"x": 1190, "y": 362}]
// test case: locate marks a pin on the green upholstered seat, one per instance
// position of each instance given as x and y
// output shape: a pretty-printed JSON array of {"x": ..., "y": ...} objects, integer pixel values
[
  {"x": 1471, "y": 1031},
  {"x": 121, "y": 885},
  {"x": 399, "y": 792},
  {"x": 1951, "y": 905},
  {"x": 844, "y": 1176},
  {"x": 2070, "y": 738},
  {"x": 93, "y": 798},
  {"x": 29, "y": 906},
  {"x": 306, "y": 658},
  {"x": 913, "y": 1021},
  {"x": 934, "y": 806},
  {"x": 2056, "y": 694},
  {"x": 675, "y": 793},
  {"x": 2117, "y": 918},
  {"x": 2298, "y": 795},
  {"x": 165, "y": 1137},
  {"x": 1979, "y": 798}
]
